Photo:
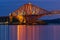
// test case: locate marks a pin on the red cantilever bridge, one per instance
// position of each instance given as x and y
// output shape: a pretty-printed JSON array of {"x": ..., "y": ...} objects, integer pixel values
[{"x": 29, "y": 13}]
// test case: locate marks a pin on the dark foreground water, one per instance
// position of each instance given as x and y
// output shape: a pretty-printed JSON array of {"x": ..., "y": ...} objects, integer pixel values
[{"x": 29, "y": 32}]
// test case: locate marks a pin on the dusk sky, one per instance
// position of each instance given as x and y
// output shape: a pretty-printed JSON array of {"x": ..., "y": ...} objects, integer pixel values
[{"x": 8, "y": 6}]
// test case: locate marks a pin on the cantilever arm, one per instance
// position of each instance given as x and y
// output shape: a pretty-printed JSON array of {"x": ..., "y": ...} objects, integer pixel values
[{"x": 49, "y": 13}]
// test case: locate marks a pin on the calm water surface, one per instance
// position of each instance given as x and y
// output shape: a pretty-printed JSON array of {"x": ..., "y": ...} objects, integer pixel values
[{"x": 29, "y": 32}]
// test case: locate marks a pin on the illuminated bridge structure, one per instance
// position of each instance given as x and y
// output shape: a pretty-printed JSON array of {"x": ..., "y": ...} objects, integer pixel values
[{"x": 29, "y": 13}]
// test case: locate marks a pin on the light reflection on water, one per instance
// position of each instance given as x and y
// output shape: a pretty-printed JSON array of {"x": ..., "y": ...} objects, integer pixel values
[{"x": 30, "y": 32}]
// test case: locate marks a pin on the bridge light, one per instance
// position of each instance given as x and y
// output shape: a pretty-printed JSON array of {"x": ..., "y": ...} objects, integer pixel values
[
  {"x": 29, "y": 2},
  {"x": 33, "y": 12}
]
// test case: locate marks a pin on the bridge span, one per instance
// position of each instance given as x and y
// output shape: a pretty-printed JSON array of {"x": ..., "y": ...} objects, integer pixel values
[{"x": 29, "y": 13}]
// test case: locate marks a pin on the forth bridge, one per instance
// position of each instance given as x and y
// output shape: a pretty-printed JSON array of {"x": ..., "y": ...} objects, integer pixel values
[{"x": 27, "y": 14}]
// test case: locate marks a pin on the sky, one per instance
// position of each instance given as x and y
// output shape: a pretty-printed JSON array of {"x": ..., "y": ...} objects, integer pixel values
[{"x": 8, "y": 6}]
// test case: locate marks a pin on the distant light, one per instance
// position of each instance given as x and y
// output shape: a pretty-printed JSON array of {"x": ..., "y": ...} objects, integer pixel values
[{"x": 9, "y": 13}]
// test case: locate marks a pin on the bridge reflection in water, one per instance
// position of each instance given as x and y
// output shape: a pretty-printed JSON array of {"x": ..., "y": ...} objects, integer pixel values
[{"x": 30, "y": 32}]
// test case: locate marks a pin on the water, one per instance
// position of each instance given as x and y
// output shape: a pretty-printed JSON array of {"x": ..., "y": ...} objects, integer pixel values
[{"x": 29, "y": 32}]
